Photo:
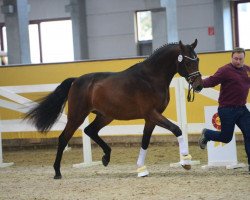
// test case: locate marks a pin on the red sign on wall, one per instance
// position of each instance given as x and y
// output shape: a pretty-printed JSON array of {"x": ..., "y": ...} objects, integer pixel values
[
  {"x": 216, "y": 121},
  {"x": 210, "y": 30}
]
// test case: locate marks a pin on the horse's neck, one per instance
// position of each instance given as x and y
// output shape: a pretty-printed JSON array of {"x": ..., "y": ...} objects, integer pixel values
[
  {"x": 163, "y": 75},
  {"x": 162, "y": 64}
]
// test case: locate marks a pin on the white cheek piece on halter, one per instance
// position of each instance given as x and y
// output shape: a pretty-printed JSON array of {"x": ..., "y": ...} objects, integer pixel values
[{"x": 180, "y": 58}]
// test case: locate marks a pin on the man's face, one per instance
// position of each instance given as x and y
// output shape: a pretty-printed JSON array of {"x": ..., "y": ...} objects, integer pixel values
[{"x": 238, "y": 59}]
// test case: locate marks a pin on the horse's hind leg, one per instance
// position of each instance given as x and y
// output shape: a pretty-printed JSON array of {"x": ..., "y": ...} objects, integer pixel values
[
  {"x": 92, "y": 131},
  {"x": 64, "y": 138}
]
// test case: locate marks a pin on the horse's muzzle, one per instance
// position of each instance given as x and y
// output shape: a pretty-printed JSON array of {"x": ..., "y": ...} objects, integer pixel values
[
  {"x": 198, "y": 88},
  {"x": 196, "y": 81}
]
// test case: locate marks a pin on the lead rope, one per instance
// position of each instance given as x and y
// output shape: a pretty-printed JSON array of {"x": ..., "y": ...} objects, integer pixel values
[{"x": 190, "y": 98}]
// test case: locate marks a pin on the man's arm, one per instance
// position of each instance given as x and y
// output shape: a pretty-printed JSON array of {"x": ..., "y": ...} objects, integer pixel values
[{"x": 213, "y": 80}]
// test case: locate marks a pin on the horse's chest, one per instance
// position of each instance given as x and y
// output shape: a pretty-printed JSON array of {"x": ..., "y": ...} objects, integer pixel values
[{"x": 163, "y": 100}]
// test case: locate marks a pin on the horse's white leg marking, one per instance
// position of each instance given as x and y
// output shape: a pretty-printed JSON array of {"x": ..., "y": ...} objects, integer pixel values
[
  {"x": 142, "y": 169},
  {"x": 185, "y": 157},
  {"x": 141, "y": 158},
  {"x": 182, "y": 145}
]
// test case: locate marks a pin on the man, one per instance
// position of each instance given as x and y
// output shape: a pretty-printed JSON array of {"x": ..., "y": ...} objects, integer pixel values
[{"x": 235, "y": 83}]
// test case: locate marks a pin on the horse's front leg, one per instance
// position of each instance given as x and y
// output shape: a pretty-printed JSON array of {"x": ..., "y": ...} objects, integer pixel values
[
  {"x": 160, "y": 120},
  {"x": 147, "y": 132}
]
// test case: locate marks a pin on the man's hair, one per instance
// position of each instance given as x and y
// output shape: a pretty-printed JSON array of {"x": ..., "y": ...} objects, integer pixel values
[{"x": 238, "y": 50}]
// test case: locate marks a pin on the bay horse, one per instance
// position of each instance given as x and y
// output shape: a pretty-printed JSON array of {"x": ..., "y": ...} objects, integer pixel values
[{"x": 139, "y": 92}]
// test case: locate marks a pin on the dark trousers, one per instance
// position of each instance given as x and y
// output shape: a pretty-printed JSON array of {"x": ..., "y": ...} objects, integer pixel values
[{"x": 229, "y": 117}]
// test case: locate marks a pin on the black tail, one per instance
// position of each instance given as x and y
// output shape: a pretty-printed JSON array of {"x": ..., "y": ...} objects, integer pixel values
[{"x": 46, "y": 113}]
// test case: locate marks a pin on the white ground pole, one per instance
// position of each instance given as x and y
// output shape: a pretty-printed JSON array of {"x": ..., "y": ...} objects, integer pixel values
[
  {"x": 87, "y": 151},
  {"x": 182, "y": 116}
]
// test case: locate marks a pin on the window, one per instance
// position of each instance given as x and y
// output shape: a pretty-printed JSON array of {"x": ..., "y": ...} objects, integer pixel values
[
  {"x": 144, "y": 32},
  {"x": 242, "y": 29},
  {"x": 243, "y": 24},
  {"x": 50, "y": 41},
  {"x": 57, "y": 41},
  {"x": 144, "y": 25},
  {"x": 4, "y": 39},
  {"x": 34, "y": 43}
]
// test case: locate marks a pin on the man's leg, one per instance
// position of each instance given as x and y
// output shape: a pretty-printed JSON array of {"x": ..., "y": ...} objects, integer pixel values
[
  {"x": 228, "y": 117},
  {"x": 244, "y": 124}
]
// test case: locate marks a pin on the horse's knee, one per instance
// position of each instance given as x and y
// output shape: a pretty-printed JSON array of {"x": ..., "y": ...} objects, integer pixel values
[
  {"x": 89, "y": 130},
  {"x": 177, "y": 131}
]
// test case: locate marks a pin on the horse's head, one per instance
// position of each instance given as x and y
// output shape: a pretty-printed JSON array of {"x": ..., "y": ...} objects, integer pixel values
[{"x": 188, "y": 65}]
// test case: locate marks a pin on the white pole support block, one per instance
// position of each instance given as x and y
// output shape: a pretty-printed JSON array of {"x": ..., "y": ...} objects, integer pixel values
[
  {"x": 2, "y": 164},
  {"x": 87, "y": 149}
]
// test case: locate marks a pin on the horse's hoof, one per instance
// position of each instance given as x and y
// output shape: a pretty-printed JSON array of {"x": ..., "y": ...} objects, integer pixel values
[
  {"x": 57, "y": 176},
  {"x": 186, "y": 161},
  {"x": 186, "y": 167},
  {"x": 105, "y": 161},
  {"x": 142, "y": 171}
]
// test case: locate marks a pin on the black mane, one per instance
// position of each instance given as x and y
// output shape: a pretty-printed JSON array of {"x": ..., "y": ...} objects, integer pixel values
[{"x": 158, "y": 52}]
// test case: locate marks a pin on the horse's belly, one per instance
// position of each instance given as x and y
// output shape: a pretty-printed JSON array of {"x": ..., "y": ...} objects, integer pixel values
[
  {"x": 118, "y": 111},
  {"x": 117, "y": 101}
]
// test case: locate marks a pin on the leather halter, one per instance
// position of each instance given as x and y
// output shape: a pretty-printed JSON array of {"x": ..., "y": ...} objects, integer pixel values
[{"x": 190, "y": 78}]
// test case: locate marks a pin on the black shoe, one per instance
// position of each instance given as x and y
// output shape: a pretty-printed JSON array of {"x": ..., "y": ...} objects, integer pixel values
[{"x": 203, "y": 141}]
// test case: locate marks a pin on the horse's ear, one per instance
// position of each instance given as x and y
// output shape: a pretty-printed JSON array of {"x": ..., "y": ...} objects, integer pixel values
[
  {"x": 194, "y": 44},
  {"x": 181, "y": 45}
]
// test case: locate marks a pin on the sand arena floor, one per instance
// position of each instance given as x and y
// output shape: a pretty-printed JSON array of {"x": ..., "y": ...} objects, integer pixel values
[{"x": 31, "y": 177}]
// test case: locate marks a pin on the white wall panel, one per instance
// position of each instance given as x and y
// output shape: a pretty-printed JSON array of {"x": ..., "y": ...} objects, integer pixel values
[
  {"x": 111, "y": 24},
  {"x": 96, "y": 7},
  {"x": 112, "y": 47},
  {"x": 194, "y": 2},
  {"x": 47, "y": 9},
  {"x": 194, "y": 16},
  {"x": 205, "y": 42}
]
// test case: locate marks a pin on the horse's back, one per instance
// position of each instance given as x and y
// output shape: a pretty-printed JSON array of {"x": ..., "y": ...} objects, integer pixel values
[{"x": 92, "y": 77}]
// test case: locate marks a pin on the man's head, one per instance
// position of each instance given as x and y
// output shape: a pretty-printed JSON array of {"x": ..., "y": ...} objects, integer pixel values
[{"x": 238, "y": 56}]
